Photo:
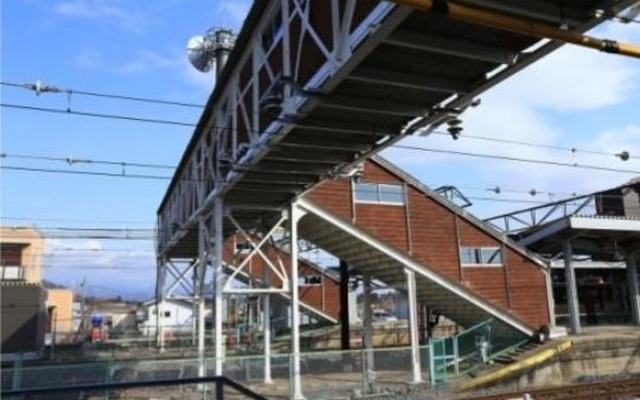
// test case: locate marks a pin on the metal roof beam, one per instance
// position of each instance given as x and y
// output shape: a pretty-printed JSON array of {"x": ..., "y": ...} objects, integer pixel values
[
  {"x": 285, "y": 172},
  {"x": 407, "y": 80},
  {"x": 328, "y": 145},
  {"x": 346, "y": 127},
  {"x": 317, "y": 157},
  {"x": 531, "y": 8},
  {"x": 451, "y": 47},
  {"x": 358, "y": 104}
]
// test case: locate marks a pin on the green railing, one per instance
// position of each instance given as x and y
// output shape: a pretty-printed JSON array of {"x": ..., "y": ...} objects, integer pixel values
[{"x": 471, "y": 349}]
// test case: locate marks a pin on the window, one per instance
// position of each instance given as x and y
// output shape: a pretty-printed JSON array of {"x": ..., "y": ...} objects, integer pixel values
[
  {"x": 310, "y": 280},
  {"x": 487, "y": 256},
  {"x": 379, "y": 193},
  {"x": 243, "y": 248},
  {"x": 11, "y": 272},
  {"x": 167, "y": 314}
]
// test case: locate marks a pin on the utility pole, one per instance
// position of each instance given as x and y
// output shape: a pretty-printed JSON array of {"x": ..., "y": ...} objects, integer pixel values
[{"x": 81, "y": 330}]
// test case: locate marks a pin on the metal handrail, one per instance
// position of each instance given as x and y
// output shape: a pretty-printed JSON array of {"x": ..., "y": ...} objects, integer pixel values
[{"x": 220, "y": 382}]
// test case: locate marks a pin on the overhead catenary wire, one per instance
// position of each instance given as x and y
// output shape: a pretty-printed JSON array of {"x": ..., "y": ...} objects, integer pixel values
[
  {"x": 42, "y": 219},
  {"x": 518, "y": 159},
  {"x": 573, "y": 150},
  {"x": 39, "y": 88},
  {"x": 72, "y": 160},
  {"x": 98, "y": 115}
]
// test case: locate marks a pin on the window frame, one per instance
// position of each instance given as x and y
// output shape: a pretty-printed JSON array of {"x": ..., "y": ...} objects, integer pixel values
[
  {"x": 6, "y": 273},
  {"x": 478, "y": 256},
  {"x": 378, "y": 193}
]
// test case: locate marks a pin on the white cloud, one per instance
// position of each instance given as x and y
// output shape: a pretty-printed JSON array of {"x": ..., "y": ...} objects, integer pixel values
[
  {"x": 90, "y": 59},
  {"x": 575, "y": 79},
  {"x": 92, "y": 9},
  {"x": 104, "y": 11},
  {"x": 147, "y": 60}
]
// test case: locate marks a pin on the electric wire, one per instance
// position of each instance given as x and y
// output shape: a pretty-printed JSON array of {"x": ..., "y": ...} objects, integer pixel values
[
  {"x": 77, "y": 172},
  {"x": 97, "y": 115},
  {"x": 11, "y": 218},
  {"x": 262, "y": 190},
  {"x": 54, "y": 89},
  {"x": 573, "y": 150},
  {"x": 518, "y": 159},
  {"x": 72, "y": 160}
]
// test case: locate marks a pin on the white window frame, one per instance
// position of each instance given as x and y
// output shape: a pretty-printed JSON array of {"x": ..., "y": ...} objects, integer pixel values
[
  {"x": 378, "y": 200},
  {"x": 12, "y": 273},
  {"x": 477, "y": 250}
]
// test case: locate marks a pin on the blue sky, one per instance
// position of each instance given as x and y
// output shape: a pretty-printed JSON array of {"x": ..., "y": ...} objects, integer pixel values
[{"x": 574, "y": 98}]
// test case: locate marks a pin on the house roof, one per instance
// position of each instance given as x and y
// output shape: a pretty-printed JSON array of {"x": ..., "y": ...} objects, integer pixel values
[{"x": 182, "y": 302}]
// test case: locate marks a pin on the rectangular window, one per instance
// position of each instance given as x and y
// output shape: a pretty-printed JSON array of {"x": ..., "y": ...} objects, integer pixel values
[
  {"x": 391, "y": 194},
  {"x": 310, "y": 280},
  {"x": 379, "y": 193},
  {"x": 243, "y": 248},
  {"x": 12, "y": 272},
  {"x": 481, "y": 256}
]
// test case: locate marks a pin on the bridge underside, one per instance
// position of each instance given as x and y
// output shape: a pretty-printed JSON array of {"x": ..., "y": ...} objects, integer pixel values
[
  {"x": 313, "y": 88},
  {"x": 408, "y": 71}
]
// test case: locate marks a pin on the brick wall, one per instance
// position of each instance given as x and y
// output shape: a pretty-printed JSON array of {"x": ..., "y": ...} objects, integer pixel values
[
  {"x": 323, "y": 296},
  {"x": 432, "y": 234}
]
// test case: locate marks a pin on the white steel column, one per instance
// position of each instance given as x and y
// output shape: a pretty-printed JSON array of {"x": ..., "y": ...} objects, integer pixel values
[
  {"x": 367, "y": 336},
  {"x": 551, "y": 303},
  {"x": 295, "y": 382},
  {"x": 218, "y": 279},
  {"x": 633, "y": 259},
  {"x": 572, "y": 290},
  {"x": 416, "y": 376},
  {"x": 160, "y": 296},
  {"x": 266, "y": 327},
  {"x": 200, "y": 272}
]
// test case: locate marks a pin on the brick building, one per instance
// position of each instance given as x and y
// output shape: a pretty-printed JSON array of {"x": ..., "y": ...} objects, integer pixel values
[{"x": 395, "y": 208}]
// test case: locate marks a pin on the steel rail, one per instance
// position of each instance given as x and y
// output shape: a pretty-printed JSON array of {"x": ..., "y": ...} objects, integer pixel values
[{"x": 613, "y": 389}]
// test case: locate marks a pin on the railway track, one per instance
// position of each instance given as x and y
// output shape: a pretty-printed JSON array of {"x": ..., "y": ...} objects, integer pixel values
[{"x": 620, "y": 389}]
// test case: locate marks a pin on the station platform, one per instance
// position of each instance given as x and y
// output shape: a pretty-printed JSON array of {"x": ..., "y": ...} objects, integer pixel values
[{"x": 598, "y": 353}]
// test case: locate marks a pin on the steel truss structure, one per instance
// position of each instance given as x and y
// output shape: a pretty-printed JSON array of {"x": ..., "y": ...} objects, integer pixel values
[
  {"x": 517, "y": 221},
  {"x": 310, "y": 90}
]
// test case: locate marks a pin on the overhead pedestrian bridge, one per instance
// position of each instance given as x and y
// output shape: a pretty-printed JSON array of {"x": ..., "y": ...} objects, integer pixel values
[{"x": 313, "y": 88}]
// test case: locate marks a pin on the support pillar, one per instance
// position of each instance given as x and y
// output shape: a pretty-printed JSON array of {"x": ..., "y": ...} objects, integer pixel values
[
  {"x": 345, "y": 339},
  {"x": 550, "y": 300},
  {"x": 266, "y": 328},
  {"x": 572, "y": 289},
  {"x": 634, "y": 291},
  {"x": 295, "y": 382},
  {"x": 218, "y": 281},
  {"x": 160, "y": 297},
  {"x": 367, "y": 335},
  {"x": 416, "y": 373},
  {"x": 198, "y": 287}
]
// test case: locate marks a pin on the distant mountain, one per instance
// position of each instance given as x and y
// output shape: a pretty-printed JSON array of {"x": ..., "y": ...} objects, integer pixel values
[
  {"x": 131, "y": 292},
  {"x": 52, "y": 285}
]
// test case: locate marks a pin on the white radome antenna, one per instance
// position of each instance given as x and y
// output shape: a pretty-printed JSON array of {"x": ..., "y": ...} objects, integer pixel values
[
  {"x": 199, "y": 56},
  {"x": 205, "y": 52}
]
